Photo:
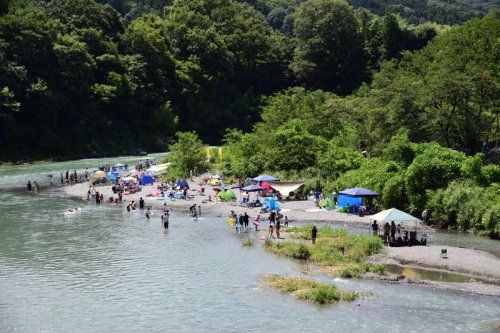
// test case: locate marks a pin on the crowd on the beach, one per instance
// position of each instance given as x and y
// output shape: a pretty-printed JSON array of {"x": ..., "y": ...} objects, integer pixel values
[{"x": 275, "y": 219}]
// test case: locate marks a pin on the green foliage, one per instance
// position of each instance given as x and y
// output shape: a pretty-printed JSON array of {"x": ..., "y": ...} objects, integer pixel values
[
  {"x": 329, "y": 242},
  {"x": 316, "y": 292},
  {"x": 328, "y": 53},
  {"x": 467, "y": 206},
  {"x": 416, "y": 11},
  {"x": 247, "y": 242},
  {"x": 357, "y": 270},
  {"x": 185, "y": 155},
  {"x": 432, "y": 168}
]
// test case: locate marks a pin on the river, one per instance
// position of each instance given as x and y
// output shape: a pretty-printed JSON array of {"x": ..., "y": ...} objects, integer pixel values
[{"x": 109, "y": 271}]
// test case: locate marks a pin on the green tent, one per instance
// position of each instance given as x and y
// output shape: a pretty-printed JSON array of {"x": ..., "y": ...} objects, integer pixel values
[
  {"x": 327, "y": 203},
  {"x": 227, "y": 195}
]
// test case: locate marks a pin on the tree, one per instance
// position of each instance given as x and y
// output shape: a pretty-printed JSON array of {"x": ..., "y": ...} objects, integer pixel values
[
  {"x": 185, "y": 155},
  {"x": 329, "y": 52}
]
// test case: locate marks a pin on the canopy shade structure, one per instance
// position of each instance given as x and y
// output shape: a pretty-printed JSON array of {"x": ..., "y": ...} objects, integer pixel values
[
  {"x": 395, "y": 215},
  {"x": 285, "y": 188},
  {"x": 359, "y": 192},
  {"x": 147, "y": 180},
  {"x": 265, "y": 178},
  {"x": 253, "y": 188}
]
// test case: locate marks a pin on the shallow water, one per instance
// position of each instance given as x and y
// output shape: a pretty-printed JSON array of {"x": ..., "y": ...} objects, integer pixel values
[{"x": 110, "y": 271}]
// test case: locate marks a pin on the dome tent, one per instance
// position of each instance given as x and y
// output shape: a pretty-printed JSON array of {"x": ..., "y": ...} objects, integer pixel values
[
  {"x": 327, "y": 203},
  {"x": 227, "y": 195},
  {"x": 99, "y": 177},
  {"x": 181, "y": 184},
  {"x": 147, "y": 180}
]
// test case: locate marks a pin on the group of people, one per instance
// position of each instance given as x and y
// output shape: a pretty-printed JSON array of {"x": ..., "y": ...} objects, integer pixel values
[
  {"x": 390, "y": 232},
  {"x": 275, "y": 223},
  {"x": 242, "y": 222},
  {"x": 35, "y": 185}
]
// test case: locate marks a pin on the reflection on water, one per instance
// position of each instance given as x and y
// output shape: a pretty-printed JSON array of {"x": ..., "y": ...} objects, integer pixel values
[{"x": 109, "y": 271}]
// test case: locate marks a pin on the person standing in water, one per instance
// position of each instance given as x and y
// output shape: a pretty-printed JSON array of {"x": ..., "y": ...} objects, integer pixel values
[
  {"x": 97, "y": 198},
  {"x": 30, "y": 188},
  {"x": 256, "y": 222},
  {"x": 62, "y": 179},
  {"x": 246, "y": 220},
  {"x": 165, "y": 219},
  {"x": 148, "y": 214},
  {"x": 141, "y": 203}
]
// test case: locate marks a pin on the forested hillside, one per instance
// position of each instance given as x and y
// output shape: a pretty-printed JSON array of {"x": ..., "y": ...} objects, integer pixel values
[
  {"x": 79, "y": 76},
  {"x": 393, "y": 135}
]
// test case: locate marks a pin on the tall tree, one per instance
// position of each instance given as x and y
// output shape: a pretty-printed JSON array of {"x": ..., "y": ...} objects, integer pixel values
[{"x": 329, "y": 53}]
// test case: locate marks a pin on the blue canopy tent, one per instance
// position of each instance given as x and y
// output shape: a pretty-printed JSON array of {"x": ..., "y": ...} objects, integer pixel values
[
  {"x": 353, "y": 197},
  {"x": 181, "y": 183},
  {"x": 265, "y": 178},
  {"x": 271, "y": 204},
  {"x": 359, "y": 192},
  {"x": 253, "y": 188},
  {"x": 147, "y": 180}
]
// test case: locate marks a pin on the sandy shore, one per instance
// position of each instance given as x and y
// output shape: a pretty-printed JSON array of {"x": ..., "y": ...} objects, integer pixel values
[
  {"x": 460, "y": 260},
  {"x": 294, "y": 210}
]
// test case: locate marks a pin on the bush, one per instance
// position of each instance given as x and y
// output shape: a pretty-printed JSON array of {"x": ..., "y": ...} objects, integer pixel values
[
  {"x": 432, "y": 169},
  {"x": 316, "y": 292},
  {"x": 247, "y": 242}
]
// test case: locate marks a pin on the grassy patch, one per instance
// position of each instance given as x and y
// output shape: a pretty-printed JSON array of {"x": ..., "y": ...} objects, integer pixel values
[
  {"x": 316, "y": 292},
  {"x": 336, "y": 247},
  {"x": 247, "y": 242}
]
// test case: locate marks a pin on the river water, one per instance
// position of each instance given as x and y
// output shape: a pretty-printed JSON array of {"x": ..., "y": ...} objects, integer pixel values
[{"x": 109, "y": 271}]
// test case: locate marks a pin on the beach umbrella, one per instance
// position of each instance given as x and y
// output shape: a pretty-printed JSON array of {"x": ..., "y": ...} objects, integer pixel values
[
  {"x": 237, "y": 186},
  {"x": 253, "y": 188},
  {"x": 359, "y": 192},
  {"x": 119, "y": 165},
  {"x": 265, "y": 178}
]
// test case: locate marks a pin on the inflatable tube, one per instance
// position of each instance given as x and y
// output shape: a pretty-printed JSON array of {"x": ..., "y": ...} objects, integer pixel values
[{"x": 231, "y": 222}]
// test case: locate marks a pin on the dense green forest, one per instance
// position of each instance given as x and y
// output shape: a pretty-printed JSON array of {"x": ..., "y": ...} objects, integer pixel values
[
  {"x": 400, "y": 135},
  {"x": 78, "y": 76}
]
